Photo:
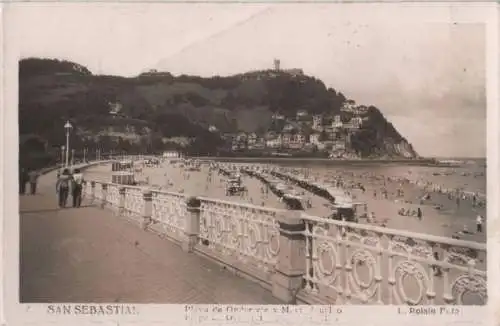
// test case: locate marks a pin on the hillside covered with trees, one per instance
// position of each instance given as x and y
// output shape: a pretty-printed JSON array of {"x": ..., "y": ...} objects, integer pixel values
[{"x": 157, "y": 111}]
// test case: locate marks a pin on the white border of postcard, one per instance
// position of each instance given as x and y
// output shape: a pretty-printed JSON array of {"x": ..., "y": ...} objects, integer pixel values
[{"x": 149, "y": 314}]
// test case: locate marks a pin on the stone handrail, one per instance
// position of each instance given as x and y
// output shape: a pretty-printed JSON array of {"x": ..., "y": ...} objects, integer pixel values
[
  {"x": 369, "y": 264},
  {"x": 308, "y": 259}
]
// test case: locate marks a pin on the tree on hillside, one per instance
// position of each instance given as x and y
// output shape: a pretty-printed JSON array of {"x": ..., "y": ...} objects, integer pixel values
[{"x": 35, "y": 66}]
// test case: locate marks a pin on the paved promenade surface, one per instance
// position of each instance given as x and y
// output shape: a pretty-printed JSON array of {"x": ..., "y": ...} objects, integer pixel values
[{"x": 89, "y": 255}]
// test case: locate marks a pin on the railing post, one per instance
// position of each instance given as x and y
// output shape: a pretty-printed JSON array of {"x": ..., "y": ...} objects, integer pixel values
[
  {"x": 104, "y": 194},
  {"x": 192, "y": 226},
  {"x": 121, "y": 200},
  {"x": 291, "y": 265},
  {"x": 147, "y": 209}
]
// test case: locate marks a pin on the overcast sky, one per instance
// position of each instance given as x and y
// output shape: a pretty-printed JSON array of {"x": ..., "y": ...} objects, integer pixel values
[{"x": 427, "y": 75}]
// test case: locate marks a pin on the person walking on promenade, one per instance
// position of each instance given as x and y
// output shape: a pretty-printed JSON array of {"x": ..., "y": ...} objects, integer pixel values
[
  {"x": 33, "y": 179},
  {"x": 479, "y": 223},
  {"x": 77, "y": 185},
  {"x": 62, "y": 187},
  {"x": 23, "y": 178}
]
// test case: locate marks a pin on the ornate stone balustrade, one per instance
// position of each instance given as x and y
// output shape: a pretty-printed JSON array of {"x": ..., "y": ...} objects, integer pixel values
[
  {"x": 352, "y": 263},
  {"x": 133, "y": 201},
  {"x": 98, "y": 187},
  {"x": 169, "y": 209},
  {"x": 113, "y": 197},
  {"x": 309, "y": 259},
  {"x": 245, "y": 235}
]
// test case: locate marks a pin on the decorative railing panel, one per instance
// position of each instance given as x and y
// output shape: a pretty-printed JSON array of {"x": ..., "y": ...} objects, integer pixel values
[
  {"x": 98, "y": 194},
  {"x": 351, "y": 263},
  {"x": 113, "y": 196},
  {"x": 169, "y": 209},
  {"x": 87, "y": 189},
  {"x": 247, "y": 233},
  {"x": 134, "y": 203}
]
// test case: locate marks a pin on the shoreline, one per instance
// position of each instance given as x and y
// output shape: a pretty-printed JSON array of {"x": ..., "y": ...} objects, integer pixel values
[{"x": 276, "y": 159}]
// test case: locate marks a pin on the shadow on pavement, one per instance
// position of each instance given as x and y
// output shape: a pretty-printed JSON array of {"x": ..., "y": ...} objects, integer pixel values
[{"x": 52, "y": 209}]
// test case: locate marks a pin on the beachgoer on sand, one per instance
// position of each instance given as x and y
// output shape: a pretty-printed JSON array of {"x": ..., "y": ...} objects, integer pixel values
[
  {"x": 479, "y": 224},
  {"x": 371, "y": 217}
]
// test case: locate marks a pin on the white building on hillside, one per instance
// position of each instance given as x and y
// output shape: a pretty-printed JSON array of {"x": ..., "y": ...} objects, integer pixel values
[{"x": 172, "y": 154}]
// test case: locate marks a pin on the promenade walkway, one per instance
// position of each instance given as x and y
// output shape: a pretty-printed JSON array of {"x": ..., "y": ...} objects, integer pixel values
[{"x": 89, "y": 255}]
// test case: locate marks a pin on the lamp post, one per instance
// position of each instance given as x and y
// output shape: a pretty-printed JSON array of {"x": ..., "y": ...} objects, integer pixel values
[
  {"x": 67, "y": 127},
  {"x": 72, "y": 157},
  {"x": 84, "y": 152}
]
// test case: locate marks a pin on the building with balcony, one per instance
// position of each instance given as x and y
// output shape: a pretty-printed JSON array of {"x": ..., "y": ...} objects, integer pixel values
[
  {"x": 315, "y": 138},
  {"x": 274, "y": 142},
  {"x": 357, "y": 122},
  {"x": 252, "y": 138},
  {"x": 317, "y": 122},
  {"x": 300, "y": 138}
]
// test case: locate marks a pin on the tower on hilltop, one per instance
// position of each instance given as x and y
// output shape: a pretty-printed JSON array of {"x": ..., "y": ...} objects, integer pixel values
[{"x": 277, "y": 64}]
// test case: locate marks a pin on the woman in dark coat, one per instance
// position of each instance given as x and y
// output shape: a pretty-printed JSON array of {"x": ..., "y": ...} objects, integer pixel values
[
  {"x": 63, "y": 186},
  {"x": 23, "y": 179}
]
